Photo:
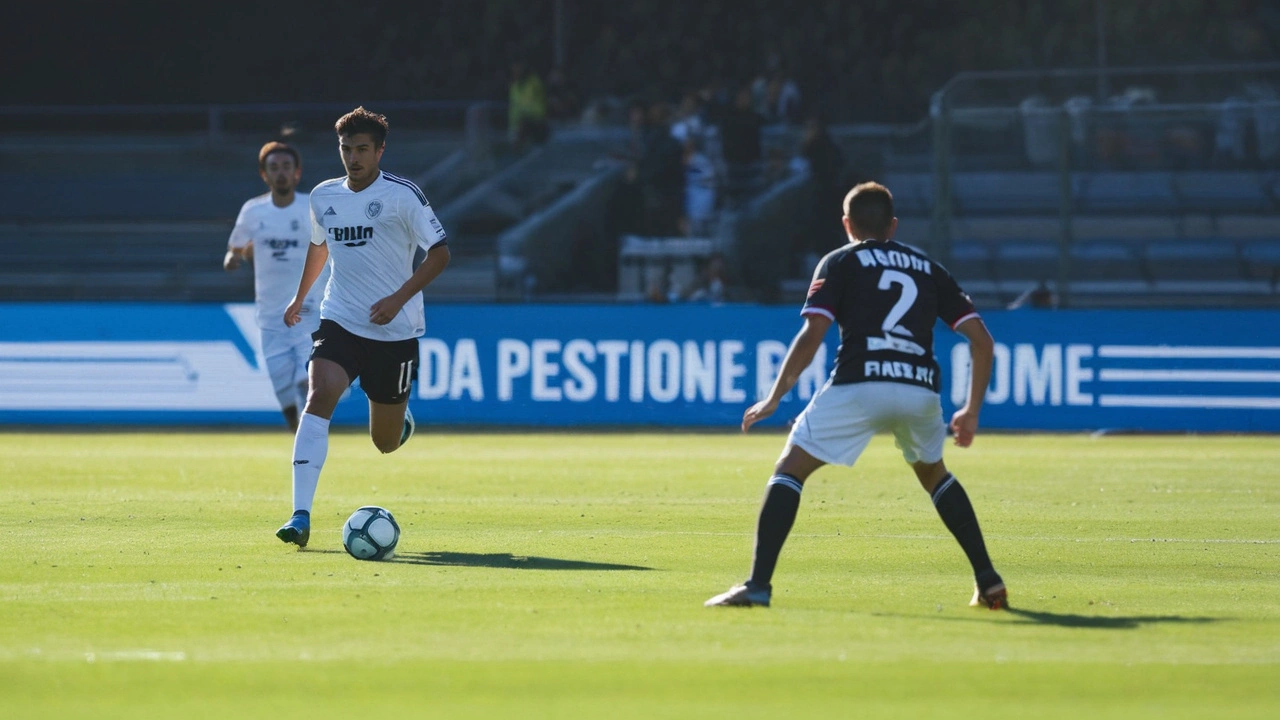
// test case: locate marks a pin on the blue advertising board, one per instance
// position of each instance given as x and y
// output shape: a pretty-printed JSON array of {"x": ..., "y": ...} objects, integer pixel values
[
  {"x": 1175, "y": 370},
  {"x": 639, "y": 365}
]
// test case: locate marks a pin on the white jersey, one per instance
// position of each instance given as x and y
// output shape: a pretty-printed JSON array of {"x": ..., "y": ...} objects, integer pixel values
[
  {"x": 279, "y": 236},
  {"x": 372, "y": 236}
]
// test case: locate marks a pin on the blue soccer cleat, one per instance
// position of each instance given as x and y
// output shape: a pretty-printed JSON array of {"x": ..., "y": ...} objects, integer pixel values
[
  {"x": 297, "y": 530},
  {"x": 408, "y": 427}
]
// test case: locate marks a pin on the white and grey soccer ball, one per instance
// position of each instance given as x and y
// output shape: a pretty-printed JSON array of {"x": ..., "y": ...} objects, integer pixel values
[{"x": 371, "y": 534}]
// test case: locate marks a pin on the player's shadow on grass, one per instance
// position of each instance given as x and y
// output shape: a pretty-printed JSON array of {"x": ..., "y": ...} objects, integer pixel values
[
  {"x": 1072, "y": 620},
  {"x": 505, "y": 560},
  {"x": 1120, "y": 622}
]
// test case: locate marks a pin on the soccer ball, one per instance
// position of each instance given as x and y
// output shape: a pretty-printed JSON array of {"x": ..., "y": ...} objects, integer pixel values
[{"x": 370, "y": 534}]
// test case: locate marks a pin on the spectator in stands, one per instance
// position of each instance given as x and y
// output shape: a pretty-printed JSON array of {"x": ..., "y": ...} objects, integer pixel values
[
  {"x": 716, "y": 100},
  {"x": 689, "y": 122},
  {"x": 660, "y": 174},
  {"x": 779, "y": 164},
  {"x": 741, "y": 146},
  {"x": 1127, "y": 137},
  {"x": 760, "y": 96},
  {"x": 627, "y": 207},
  {"x": 526, "y": 106},
  {"x": 655, "y": 286},
  {"x": 650, "y": 200},
  {"x": 638, "y": 129},
  {"x": 782, "y": 99},
  {"x": 821, "y": 229},
  {"x": 699, "y": 190},
  {"x": 711, "y": 282},
  {"x": 562, "y": 100}
]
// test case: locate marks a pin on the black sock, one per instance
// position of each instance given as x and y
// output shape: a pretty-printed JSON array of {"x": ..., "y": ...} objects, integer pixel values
[
  {"x": 952, "y": 503},
  {"x": 781, "y": 501}
]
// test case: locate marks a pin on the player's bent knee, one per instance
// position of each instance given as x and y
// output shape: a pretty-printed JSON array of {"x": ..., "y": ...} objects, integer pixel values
[
  {"x": 322, "y": 403},
  {"x": 797, "y": 463},
  {"x": 386, "y": 447},
  {"x": 929, "y": 474}
]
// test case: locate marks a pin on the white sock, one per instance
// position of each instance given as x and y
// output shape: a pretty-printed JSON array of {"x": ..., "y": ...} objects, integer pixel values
[{"x": 310, "y": 446}]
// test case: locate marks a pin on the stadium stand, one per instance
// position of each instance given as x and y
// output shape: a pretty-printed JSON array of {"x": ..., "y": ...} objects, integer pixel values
[
  {"x": 141, "y": 217},
  {"x": 1154, "y": 205},
  {"x": 1128, "y": 201},
  {"x": 120, "y": 260}
]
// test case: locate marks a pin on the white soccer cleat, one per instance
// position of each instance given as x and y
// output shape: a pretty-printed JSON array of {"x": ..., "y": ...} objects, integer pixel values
[
  {"x": 740, "y": 596},
  {"x": 995, "y": 597}
]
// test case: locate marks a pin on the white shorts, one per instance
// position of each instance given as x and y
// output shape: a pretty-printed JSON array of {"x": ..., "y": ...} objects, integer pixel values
[
  {"x": 287, "y": 352},
  {"x": 841, "y": 419}
]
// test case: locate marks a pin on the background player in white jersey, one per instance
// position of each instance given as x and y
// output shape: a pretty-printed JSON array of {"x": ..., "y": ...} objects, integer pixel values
[
  {"x": 366, "y": 226},
  {"x": 274, "y": 231},
  {"x": 886, "y": 298}
]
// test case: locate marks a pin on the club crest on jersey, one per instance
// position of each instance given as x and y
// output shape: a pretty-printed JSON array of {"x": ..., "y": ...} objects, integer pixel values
[
  {"x": 293, "y": 225},
  {"x": 373, "y": 209}
]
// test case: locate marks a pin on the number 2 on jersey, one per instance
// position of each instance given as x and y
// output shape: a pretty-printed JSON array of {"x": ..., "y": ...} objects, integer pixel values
[{"x": 888, "y": 279}]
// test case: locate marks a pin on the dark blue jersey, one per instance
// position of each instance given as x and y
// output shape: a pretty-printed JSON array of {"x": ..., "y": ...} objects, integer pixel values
[{"x": 886, "y": 297}]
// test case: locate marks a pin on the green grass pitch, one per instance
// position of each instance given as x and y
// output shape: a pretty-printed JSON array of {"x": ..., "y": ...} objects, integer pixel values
[{"x": 563, "y": 575}]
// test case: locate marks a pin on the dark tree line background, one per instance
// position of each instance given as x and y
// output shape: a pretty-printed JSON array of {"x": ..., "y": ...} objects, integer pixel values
[{"x": 870, "y": 60}]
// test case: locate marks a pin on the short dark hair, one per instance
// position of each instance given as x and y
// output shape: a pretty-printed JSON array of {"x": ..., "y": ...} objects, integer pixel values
[
  {"x": 870, "y": 206},
  {"x": 277, "y": 147},
  {"x": 363, "y": 121}
]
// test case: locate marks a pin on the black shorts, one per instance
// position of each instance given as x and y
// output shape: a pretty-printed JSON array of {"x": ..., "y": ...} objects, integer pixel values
[{"x": 386, "y": 369}]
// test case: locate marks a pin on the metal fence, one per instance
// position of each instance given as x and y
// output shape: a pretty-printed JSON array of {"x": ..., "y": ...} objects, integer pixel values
[{"x": 1159, "y": 141}]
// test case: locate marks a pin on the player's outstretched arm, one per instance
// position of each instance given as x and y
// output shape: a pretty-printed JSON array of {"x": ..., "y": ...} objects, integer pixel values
[
  {"x": 436, "y": 261},
  {"x": 317, "y": 256},
  {"x": 964, "y": 424},
  {"x": 799, "y": 355}
]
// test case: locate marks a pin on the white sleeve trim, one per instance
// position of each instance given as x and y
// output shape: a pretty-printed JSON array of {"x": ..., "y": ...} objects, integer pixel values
[
  {"x": 815, "y": 310},
  {"x": 970, "y": 316}
]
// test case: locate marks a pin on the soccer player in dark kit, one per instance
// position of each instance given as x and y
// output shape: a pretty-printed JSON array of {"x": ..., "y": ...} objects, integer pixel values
[{"x": 886, "y": 297}]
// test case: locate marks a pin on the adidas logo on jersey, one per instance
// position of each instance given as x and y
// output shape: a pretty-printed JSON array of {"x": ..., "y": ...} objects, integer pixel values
[{"x": 329, "y": 212}]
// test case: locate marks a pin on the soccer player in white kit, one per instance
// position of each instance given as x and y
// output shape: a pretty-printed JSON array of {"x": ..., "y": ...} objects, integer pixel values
[
  {"x": 274, "y": 231},
  {"x": 366, "y": 226},
  {"x": 886, "y": 298}
]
